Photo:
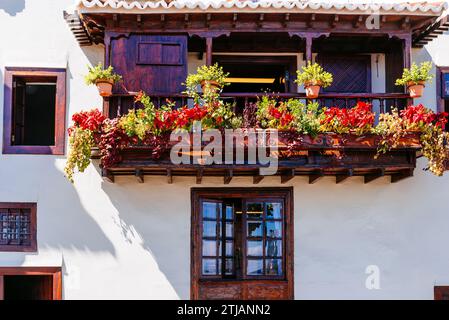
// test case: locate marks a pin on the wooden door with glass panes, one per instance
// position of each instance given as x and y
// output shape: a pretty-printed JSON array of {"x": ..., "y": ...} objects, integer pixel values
[{"x": 242, "y": 246}]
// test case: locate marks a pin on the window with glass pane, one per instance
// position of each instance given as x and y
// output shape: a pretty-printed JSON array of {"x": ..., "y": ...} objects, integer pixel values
[
  {"x": 242, "y": 238},
  {"x": 217, "y": 238},
  {"x": 264, "y": 238}
]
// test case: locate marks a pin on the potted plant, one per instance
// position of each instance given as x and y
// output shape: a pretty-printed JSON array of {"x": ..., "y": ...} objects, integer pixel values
[
  {"x": 212, "y": 79},
  {"x": 102, "y": 78},
  {"x": 313, "y": 77},
  {"x": 415, "y": 78}
]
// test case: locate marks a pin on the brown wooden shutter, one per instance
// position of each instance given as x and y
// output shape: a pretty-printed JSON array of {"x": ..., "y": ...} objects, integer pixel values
[
  {"x": 155, "y": 64},
  {"x": 18, "y": 129},
  {"x": 352, "y": 74}
]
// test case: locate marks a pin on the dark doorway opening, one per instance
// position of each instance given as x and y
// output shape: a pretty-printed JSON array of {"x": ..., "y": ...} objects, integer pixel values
[
  {"x": 255, "y": 74},
  {"x": 20, "y": 287},
  {"x": 30, "y": 283},
  {"x": 34, "y": 111}
]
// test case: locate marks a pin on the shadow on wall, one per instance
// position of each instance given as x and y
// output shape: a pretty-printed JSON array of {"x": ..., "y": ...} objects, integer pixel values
[
  {"x": 158, "y": 224},
  {"x": 12, "y": 7}
]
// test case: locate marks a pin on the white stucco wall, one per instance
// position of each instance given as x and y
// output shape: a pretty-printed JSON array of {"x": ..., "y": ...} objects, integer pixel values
[{"x": 129, "y": 240}]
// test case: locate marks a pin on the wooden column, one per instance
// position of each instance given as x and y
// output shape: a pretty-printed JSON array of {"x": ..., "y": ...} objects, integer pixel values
[
  {"x": 309, "y": 40},
  {"x": 209, "y": 51},
  {"x": 2, "y": 285},
  {"x": 407, "y": 50}
]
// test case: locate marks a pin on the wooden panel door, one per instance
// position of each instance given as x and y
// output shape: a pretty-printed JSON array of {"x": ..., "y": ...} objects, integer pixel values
[
  {"x": 242, "y": 247},
  {"x": 156, "y": 64},
  {"x": 352, "y": 74}
]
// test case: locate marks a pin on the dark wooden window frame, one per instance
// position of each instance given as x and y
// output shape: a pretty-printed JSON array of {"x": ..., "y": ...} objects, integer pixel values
[
  {"x": 60, "y": 110},
  {"x": 441, "y": 293},
  {"x": 439, "y": 87},
  {"x": 33, "y": 227},
  {"x": 55, "y": 272},
  {"x": 247, "y": 193}
]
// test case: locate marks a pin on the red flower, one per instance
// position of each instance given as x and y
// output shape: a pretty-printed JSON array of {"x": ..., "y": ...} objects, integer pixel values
[
  {"x": 88, "y": 120},
  {"x": 274, "y": 112}
]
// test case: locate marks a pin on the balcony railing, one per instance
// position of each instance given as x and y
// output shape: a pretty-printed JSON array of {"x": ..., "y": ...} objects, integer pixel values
[{"x": 381, "y": 102}]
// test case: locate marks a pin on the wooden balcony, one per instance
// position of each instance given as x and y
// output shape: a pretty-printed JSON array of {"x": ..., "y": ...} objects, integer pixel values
[{"x": 341, "y": 156}]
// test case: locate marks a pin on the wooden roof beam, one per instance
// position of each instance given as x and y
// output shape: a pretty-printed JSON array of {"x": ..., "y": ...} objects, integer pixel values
[
  {"x": 234, "y": 20},
  {"x": 286, "y": 20},
  {"x": 186, "y": 20},
  {"x": 208, "y": 19},
  {"x": 261, "y": 20},
  {"x": 163, "y": 21},
  {"x": 358, "y": 22},
  {"x": 335, "y": 21},
  {"x": 311, "y": 20},
  {"x": 405, "y": 22}
]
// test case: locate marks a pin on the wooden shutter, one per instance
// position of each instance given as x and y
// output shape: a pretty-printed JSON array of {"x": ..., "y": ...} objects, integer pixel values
[
  {"x": 18, "y": 128},
  {"x": 155, "y": 64},
  {"x": 352, "y": 74}
]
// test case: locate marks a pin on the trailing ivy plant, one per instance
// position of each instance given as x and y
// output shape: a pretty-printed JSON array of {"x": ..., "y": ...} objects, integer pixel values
[
  {"x": 416, "y": 74},
  {"x": 98, "y": 73},
  {"x": 87, "y": 125},
  {"x": 314, "y": 74}
]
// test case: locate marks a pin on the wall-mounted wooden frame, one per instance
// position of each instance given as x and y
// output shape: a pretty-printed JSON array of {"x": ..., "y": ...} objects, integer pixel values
[
  {"x": 31, "y": 209},
  {"x": 54, "y": 272},
  {"x": 60, "y": 110},
  {"x": 249, "y": 288},
  {"x": 440, "y": 71}
]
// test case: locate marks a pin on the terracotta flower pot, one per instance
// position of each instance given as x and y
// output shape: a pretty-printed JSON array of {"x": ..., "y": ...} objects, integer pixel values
[
  {"x": 104, "y": 87},
  {"x": 415, "y": 89},
  {"x": 209, "y": 86},
  {"x": 312, "y": 90}
]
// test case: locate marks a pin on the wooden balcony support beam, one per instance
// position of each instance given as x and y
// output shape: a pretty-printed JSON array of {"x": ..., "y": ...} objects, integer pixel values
[
  {"x": 169, "y": 176},
  {"x": 407, "y": 173},
  {"x": 287, "y": 175},
  {"x": 228, "y": 176},
  {"x": 139, "y": 176},
  {"x": 315, "y": 176},
  {"x": 199, "y": 176},
  {"x": 107, "y": 175},
  {"x": 257, "y": 179},
  {"x": 342, "y": 177},
  {"x": 374, "y": 175}
]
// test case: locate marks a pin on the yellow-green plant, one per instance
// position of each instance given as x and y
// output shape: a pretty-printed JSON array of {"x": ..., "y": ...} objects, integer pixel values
[
  {"x": 314, "y": 74},
  {"x": 416, "y": 74},
  {"x": 213, "y": 73},
  {"x": 81, "y": 143},
  {"x": 98, "y": 72}
]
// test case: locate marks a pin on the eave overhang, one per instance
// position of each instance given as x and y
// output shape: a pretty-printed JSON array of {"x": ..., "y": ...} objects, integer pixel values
[{"x": 424, "y": 20}]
